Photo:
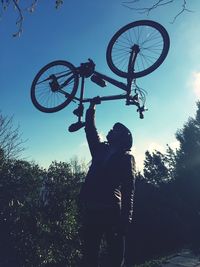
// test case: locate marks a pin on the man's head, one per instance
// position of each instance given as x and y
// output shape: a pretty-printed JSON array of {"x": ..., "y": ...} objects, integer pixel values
[{"x": 120, "y": 137}]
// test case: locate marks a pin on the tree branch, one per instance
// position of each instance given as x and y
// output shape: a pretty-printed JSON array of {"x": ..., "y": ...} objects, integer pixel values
[
  {"x": 149, "y": 9},
  {"x": 20, "y": 10},
  {"x": 11, "y": 142},
  {"x": 157, "y": 4},
  {"x": 20, "y": 19},
  {"x": 182, "y": 10}
]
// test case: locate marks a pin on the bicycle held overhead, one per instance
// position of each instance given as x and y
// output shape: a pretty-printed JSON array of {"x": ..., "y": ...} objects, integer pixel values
[{"x": 136, "y": 50}]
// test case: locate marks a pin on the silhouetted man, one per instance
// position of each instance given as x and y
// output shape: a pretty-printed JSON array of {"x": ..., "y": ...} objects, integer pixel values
[{"x": 107, "y": 192}]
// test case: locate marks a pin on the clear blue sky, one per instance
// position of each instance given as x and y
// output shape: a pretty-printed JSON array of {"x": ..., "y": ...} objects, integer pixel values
[{"x": 75, "y": 32}]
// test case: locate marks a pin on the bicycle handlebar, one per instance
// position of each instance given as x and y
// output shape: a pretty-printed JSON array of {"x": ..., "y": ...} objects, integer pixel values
[{"x": 132, "y": 100}]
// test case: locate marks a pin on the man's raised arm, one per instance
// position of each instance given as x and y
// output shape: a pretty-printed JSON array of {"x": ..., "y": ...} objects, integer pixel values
[{"x": 90, "y": 128}]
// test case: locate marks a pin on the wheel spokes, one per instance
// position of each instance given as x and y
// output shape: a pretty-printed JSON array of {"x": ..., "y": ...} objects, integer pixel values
[
  {"x": 150, "y": 42},
  {"x": 54, "y": 86}
]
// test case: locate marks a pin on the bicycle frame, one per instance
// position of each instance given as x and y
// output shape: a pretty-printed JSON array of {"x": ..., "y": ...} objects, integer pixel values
[
  {"x": 87, "y": 70},
  {"x": 103, "y": 77},
  {"x": 112, "y": 81},
  {"x": 121, "y": 85}
]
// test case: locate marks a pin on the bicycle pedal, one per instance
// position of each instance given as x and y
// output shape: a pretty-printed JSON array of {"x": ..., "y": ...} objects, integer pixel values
[
  {"x": 78, "y": 111},
  {"x": 76, "y": 126}
]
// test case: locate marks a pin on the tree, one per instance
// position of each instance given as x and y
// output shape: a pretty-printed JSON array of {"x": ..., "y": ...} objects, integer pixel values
[
  {"x": 170, "y": 162},
  {"x": 58, "y": 224},
  {"x": 19, "y": 191},
  {"x": 37, "y": 231},
  {"x": 11, "y": 143},
  {"x": 188, "y": 160},
  {"x": 155, "y": 169},
  {"x": 189, "y": 138},
  {"x": 187, "y": 180},
  {"x": 167, "y": 199}
]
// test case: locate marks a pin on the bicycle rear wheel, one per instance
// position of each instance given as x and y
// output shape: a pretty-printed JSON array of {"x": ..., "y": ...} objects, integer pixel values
[
  {"x": 54, "y": 86},
  {"x": 153, "y": 41}
]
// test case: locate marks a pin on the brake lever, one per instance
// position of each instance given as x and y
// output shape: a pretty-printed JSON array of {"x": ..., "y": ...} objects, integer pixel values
[{"x": 91, "y": 62}]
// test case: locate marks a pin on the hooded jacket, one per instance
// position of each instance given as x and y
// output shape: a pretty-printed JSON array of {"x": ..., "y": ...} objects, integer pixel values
[{"x": 110, "y": 182}]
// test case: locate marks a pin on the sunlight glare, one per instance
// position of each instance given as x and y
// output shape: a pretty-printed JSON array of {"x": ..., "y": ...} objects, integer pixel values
[
  {"x": 155, "y": 146},
  {"x": 196, "y": 83}
]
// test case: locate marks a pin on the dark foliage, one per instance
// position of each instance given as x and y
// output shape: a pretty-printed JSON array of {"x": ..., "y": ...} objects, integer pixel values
[
  {"x": 167, "y": 200},
  {"x": 40, "y": 219},
  {"x": 38, "y": 214}
]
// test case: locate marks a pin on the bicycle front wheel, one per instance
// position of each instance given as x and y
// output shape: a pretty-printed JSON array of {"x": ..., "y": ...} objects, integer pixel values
[
  {"x": 153, "y": 41},
  {"x": 54, "y": 86}
]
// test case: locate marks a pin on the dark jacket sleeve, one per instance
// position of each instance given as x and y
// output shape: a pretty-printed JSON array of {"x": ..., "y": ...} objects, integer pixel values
[
  {"x": 128, "y": 189},
  {"x": 91, "y": 131}
]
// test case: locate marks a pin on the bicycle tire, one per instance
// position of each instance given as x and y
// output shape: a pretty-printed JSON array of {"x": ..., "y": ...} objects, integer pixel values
[
  {"x": 42, "y": 95},
  {"x": 129, "y": 37}
]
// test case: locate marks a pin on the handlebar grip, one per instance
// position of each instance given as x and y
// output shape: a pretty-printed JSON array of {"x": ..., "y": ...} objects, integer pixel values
[{"x": 96, "y": 100}]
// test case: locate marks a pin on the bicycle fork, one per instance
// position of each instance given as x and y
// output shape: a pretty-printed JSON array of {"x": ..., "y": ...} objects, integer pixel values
[
  {"x": 133, "y": 100},
  {"x": 131, "y": 68}
]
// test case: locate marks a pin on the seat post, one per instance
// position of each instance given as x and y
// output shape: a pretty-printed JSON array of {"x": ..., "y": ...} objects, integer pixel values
[{"x": 81, "y": 98}]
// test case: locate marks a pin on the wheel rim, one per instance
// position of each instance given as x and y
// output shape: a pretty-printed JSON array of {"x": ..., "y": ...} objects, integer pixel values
[
  {"x": 47, "y": 99},
  {"x": 152, "y": 40}
]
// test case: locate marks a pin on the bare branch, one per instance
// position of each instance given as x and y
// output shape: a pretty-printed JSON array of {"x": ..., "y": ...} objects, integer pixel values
[
  {"x": 11, "y": 142},
  {"x": 4, "y": 4},
  {"x": 181, "y": 11},
  {"x": 157, "y": 4},
  {"x": 20, "y": 12},
  {"x": 32, "y": 7},
  {"x": 149, "y": 9},
  {"x": 59, "y": 3},
  {"x": 20, "y": 19}
]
